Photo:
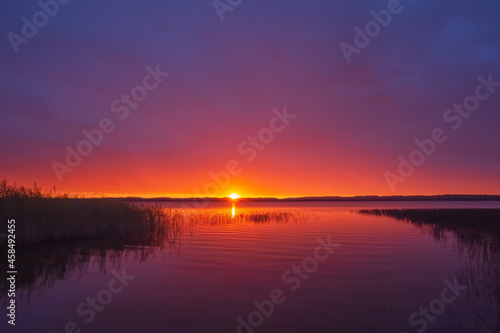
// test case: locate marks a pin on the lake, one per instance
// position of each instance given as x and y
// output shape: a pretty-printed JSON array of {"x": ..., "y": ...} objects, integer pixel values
[{"x": 327, "y": 268}]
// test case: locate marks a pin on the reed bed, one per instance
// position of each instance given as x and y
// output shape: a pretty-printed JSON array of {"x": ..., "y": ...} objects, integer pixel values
[
  {"x": 475, "y": 233},
  {"x": 274, "y": 216},
  {"x": 466, "y": 217},
  {"x": 58, "y": 235},
  {"x": 251, "y": 216},
  {"x": 48, "y": 217}
]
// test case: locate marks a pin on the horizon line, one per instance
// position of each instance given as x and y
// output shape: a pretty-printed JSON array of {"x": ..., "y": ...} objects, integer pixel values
[{"x": 464, "y": 197}]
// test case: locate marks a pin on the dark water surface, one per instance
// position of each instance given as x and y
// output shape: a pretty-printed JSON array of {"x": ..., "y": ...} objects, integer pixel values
[{"x": 376, "y": 273}]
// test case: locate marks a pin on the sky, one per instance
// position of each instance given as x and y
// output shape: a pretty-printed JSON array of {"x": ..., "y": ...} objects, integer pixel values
[{"x": 260, "y": 98}]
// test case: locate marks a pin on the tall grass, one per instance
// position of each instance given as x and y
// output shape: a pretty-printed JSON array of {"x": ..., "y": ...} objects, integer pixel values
[
  {"x": 466, "y": 217},
  {"x": 46, "y": 217},
  {"x": 58, "y": 235},
  {"x": 476, "y": 234},
  {"x": 251, "y": 216}
]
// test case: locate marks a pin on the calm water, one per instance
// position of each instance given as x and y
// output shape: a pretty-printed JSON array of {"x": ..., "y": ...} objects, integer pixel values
[{"x": 375, "y": 275}]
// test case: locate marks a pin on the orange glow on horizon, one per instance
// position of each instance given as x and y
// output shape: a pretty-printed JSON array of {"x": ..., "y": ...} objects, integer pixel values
[{"x": 256, "y": 183}]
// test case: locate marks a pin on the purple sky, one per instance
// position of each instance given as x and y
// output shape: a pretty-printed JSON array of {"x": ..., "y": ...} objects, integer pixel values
[{"x": 353, "y": 120}]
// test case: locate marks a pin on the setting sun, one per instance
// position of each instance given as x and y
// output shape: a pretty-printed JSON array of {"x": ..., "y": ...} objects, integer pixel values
[{"x": 234, "y": 196}]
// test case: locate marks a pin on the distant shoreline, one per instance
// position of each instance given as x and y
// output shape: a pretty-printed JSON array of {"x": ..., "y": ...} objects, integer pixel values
[{"x": 445, "y": 197}]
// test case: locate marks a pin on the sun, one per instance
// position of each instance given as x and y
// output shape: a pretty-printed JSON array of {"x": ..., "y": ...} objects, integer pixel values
[{"x": 234, "y": 196}]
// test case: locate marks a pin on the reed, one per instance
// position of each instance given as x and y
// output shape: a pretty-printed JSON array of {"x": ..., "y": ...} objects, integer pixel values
[
  {"x": 464, "y": 217},
  {"x": 58, "y": 235},
  {"x": 251, "y": 216},
  {"x": 44, "y": 217},
  {"x": 476, "y": 234},
  {"x": 47, "y": 217}
]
